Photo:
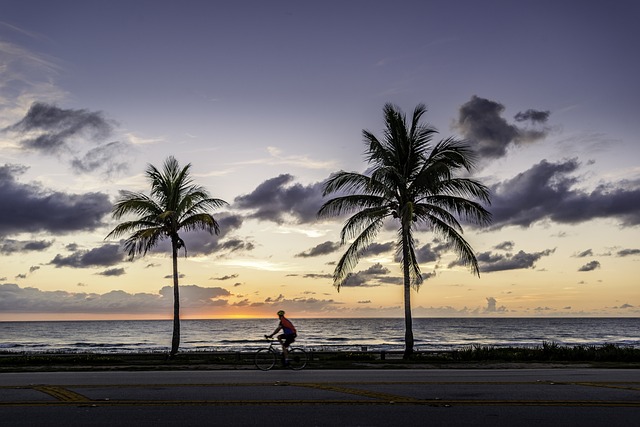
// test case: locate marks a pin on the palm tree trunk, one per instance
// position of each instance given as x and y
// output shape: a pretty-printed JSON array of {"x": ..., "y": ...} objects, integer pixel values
[
  {"x": 408, "y": 322},
  {"x": 175, "y": 340}
]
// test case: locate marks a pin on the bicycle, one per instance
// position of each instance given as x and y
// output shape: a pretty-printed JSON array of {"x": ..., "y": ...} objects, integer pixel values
[{"x": 266, "y": 358}]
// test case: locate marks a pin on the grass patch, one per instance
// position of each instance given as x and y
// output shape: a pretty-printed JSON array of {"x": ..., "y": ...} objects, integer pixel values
[
  {"x": 607, "y": 355},
  {"x": 549, "y": 352}
]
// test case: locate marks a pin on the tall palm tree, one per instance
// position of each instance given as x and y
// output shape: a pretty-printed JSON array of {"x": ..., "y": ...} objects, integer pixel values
[
  {"x": 411, "y": 181},
  {"x": 175, "y": 204}
]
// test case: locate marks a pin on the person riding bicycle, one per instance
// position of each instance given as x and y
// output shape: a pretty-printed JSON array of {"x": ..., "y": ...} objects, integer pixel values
[{"x": 288, "y": 335}]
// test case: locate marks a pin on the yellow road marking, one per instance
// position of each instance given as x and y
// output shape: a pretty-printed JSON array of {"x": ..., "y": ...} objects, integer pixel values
[{"x": 61, "y": 393}]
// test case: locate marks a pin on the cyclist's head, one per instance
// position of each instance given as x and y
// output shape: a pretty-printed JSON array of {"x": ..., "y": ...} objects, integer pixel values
[{"x": 281, "y": 313}]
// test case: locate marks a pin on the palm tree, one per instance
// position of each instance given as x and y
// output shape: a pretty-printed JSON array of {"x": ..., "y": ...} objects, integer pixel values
[
  {"x": 175, "y": 204},
  {"x": 413, "y": 182}
]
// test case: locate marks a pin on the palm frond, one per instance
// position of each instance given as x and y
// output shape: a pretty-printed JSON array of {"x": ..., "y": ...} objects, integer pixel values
[
  {"x": 347, "y": 204},
  {"x": 460, "y": 246},
  {"x": 469, "y": 210},
  {"x": 361, "y": 221},
  {"x": 346, "y": 182},
  {"x": 352, "y": 255}
]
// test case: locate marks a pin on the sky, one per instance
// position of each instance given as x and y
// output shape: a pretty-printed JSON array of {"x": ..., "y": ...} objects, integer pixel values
[{"x": 265, "y": 100}]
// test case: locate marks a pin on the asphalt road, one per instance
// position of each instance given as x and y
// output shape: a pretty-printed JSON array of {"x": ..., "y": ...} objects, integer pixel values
[{"x": 494, "y": 397}]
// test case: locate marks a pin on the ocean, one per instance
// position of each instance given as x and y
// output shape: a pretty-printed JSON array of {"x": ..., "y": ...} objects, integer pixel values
[{"x": 430, "y": 334}]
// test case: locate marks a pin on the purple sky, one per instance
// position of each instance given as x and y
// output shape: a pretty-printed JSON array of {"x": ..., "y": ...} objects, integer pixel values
[{"x": 266, "y": 99}]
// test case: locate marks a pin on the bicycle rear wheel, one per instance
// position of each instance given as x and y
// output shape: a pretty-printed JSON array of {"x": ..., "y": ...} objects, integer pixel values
[
  {"x": 297, "y": 358},
  {"x": 265, "y": 359}
]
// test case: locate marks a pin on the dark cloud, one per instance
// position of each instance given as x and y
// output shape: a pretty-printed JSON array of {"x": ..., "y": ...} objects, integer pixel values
[
  {"x": 111, "y": 158},
  {"x": 378, "y": 248},
  {"x": 505, "y": 246},
  {"x": 49, "y": 129},
  {"x": 533, "y": 116},
  {"x": 321, "y": 249},
  {"x": 280, "y": 201},
  {"x": 590, "y": 266},
  {"x": 30, "y": 208},
  {"x": 318, "y": 276},
  {"x": 546, "y": 191},
  {"x": 480, "y": 121},
  {"x": 490, "y": 262},
  {"x": 627, "y": 252},
  {"x": 583, "y": 254},
  {"x": 106, "y": 255},
  {"x": 113, "y": 272},
  {"x": 233, "y": 245},
  {"x": 15, "y": 299},
  {"x": 427, "y": 253},
  {"x": 199, "y": 242},
  {"x": 371, "y": 277},
  {"x": 232, "y": 276},
  {"x": 10, "y": 246}
]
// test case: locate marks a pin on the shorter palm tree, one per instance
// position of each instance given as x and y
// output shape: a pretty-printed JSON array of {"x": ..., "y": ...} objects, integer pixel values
[
  {"x": 410, "y": 181},
  {"x": 175, "y": 204}
]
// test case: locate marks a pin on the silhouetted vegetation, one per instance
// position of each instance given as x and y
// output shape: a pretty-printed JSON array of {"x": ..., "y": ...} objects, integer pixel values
[
  {"x": 608, "y": 355},
  {"x": 411, "y": 181},
  {"x": 549, "y": 351},
  {"x": 175, "y": 205}
]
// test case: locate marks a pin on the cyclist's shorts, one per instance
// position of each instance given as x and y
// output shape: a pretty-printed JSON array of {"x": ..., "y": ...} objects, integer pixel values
[{"x": 288, "y": 339}]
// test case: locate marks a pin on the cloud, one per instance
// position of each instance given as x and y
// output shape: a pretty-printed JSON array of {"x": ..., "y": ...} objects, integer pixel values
[
  {"x": 584, "y": 254},
  {"x": 321, "y": 249},
  {"x": 371, "y": 277},
  {"x": 113, "y": 272},
  {"x": 318, "y": 276},
  {"x": 590, "y": 266},
  {"x": 378, "y": 248},
  {"x": 193, "y": 296},
  {"x": 480, "y": 121},
  {"x": 103, "y": 157},
  {"x": 546, "y": 191},
  {"x": 627, "y": 252},
  {"x": 27, "y": 208},
  {"x": 293, "y": 306},
  {"x": 10, "y": 246},
  {"x": 49, "y": 129},
  {"x": 228, "y": 277},
  {"x": 200, "y": 242},
  {"x": 426, "y": 254},
  {"x": 491, "y": 262},
  {"x": 492, "y": 306},
  {"x": 505, "y": 246},
  {"x": 533, "y": 116},
  {"x": 106, "y": 255},
  {"x": 15, "y": 299},
  {"x": 280, "y": 201}
]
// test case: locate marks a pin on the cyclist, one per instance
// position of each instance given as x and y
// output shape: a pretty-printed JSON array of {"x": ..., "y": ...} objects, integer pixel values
[{"x": 288, "y": 335}]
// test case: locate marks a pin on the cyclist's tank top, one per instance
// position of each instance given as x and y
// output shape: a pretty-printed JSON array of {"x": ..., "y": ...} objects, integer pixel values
[{"x": 287, "y": 326}]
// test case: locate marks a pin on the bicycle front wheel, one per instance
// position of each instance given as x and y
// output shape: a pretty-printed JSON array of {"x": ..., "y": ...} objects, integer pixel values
[
  {"x": 297, "y": 358},
  {"x": 265, "y": 359}
]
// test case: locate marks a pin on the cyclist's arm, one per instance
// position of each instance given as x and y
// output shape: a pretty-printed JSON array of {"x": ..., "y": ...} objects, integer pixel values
[{"x": 278, "y": 329}]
